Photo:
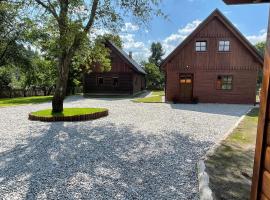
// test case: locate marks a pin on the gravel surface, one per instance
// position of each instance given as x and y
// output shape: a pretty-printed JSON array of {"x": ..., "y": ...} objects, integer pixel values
[{"x": 140, "y": 151}]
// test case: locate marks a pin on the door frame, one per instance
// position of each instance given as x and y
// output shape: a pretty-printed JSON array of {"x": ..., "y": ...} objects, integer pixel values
[{"x": 192, "y": 86}]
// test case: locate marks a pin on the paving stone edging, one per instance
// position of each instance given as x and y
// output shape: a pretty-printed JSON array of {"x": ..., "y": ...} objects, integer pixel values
[{"x": 70, "y": 118}]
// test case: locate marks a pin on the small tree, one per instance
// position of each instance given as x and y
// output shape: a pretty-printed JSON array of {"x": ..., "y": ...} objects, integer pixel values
[
  {"x": 73, "y": 21},
  {"x": 260, "y": 46},
  {"x": 157, "y": 54},
  {"x": 155, "y": 79}
]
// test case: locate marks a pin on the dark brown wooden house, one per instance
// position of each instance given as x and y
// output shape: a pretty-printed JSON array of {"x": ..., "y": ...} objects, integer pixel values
[
  {"x": 214, "y": 64},
  {"x": 125, "y": 77}
]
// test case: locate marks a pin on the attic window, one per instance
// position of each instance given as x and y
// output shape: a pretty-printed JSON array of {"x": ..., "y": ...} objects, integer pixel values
[
  {"x": 224, "y": 45},
  {"x": 201, "y": 46}
]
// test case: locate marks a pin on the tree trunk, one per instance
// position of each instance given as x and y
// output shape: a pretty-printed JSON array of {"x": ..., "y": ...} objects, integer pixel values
[{"x": 61, "y": 84}]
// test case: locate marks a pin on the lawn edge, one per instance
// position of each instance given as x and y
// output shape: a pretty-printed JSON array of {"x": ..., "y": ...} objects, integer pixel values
[{"x": 83, "y": 117}]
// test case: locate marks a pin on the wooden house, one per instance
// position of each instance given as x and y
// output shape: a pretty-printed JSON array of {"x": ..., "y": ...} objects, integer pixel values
[
  {"x": 214, "y": 64},
  {"x": 125, "y": 77}
]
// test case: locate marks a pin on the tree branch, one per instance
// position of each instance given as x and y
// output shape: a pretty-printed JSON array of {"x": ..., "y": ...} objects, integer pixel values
[
  {"x": 48, "y": 8},
  {"x": 92, "y": 16}
]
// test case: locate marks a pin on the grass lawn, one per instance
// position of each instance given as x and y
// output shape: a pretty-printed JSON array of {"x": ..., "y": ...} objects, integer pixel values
[
  {"x": 151, "y": 99},
  {"x": 230, "y": 168},
  {"x": 158, "y": 93},
  {"x": 67, "y": 112},
  {"x": 24, "y": 100},
  {"x": 156, "y": 97}
]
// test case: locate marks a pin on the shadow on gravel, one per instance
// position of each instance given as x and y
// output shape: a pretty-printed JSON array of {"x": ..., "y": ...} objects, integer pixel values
[
  {"x": 83, "y": 160},
  {"x": 220, "y": 109}
]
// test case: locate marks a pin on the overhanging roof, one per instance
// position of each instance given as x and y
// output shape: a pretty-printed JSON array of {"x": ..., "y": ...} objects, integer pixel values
[
  {"x": 124, "y": 55},
  {"x": 229, "y": 25}
]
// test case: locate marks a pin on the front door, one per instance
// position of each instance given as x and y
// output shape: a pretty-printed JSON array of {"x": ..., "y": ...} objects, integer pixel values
[{"x": 186, "y": 87}]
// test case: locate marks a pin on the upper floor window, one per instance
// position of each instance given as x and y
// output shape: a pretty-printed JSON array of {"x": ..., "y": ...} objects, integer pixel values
[
  {"x": 224, "y": 82},
  {"x": 201, "y": 46},
  {"x": 224, "y": 45}
]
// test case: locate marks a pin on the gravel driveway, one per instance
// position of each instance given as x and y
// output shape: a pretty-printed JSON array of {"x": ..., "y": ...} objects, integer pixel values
[{"x": 140, "y": 151}]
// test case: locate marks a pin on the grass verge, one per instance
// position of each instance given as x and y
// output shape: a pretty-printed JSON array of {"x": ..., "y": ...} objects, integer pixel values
[
  {"x": 24, "y": 100},
  {"x": 152, "y": 99},
  {"x": 230, "y": 167},
  {"x": 68, "y": 112},
  {"x": 156, "y": 97}
]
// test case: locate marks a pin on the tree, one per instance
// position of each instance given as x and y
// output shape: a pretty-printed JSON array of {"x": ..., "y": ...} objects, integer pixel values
[
  {"x": 155, "y": 79},
  {"x": 75, "y": 19},
  {"x": 157, "y": 53},
  {"x": 260, "y": 46}
]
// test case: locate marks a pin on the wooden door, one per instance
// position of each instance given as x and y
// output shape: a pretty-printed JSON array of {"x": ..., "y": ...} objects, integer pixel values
[{"x": 186, "y": 87}]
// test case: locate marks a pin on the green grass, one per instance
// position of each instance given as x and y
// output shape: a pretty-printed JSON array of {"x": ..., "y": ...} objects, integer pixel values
[
  {"x": 67, "y": 112},
  {"x": 24, "y": 100},
  {"x": 158, "y": 93},
  {"x": 246, "y": 131},
  {"x": 152, "y": 99},
  {"x": 231, "y": 164}
]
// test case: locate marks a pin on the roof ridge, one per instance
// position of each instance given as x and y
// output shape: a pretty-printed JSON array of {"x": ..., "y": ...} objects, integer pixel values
[{"x": 216, "y": 13}]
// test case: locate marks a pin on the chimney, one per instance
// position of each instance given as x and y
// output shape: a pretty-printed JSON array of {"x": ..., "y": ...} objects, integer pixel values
[{"x": 130, "y": 54}]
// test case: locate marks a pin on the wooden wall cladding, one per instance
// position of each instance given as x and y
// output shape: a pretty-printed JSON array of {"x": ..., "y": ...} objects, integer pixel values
[
  {"x": 266, "y": 184},
  {"x": 263, "y": 197},
  {"x": 267, "y": 159}
]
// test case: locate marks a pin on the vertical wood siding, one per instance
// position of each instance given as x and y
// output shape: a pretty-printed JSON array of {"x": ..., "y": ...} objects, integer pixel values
[{"x": 206, "y": 66}]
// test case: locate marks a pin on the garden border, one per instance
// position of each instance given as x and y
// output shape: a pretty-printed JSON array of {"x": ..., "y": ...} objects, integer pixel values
[{"x": 74, "y": 118}]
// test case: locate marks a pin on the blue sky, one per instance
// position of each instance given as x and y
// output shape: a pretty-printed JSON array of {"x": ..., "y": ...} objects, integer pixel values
[{"x": 184, "y": 17}]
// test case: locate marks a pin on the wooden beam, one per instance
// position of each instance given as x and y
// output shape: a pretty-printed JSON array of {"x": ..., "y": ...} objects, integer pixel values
[
  {"x": 245, "y": 1},
  {"x": 261, "y": 140}
]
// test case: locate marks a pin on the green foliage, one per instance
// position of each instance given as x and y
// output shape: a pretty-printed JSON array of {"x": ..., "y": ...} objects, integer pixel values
[
  {"x": 157, "y": 53},
  {"x": 261, "y": 48},
  {"x": 67, "y": 112},
  {"x": 154, "y": 77}
]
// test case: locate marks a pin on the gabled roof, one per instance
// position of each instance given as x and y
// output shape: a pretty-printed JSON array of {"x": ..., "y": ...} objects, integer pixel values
[
  {"x": 125, "y": 56},
  {"x": 229, "y": 25}
]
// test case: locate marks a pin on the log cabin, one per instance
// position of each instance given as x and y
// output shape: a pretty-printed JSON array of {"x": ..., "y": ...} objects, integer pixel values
[
  {"x": 125, "y": 77},
  {"x": 214, "y": 64}
]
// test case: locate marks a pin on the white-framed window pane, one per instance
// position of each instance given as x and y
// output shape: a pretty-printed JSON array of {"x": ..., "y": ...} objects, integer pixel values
[
  {"x": 227, "y": 48},
  {"x": 203, "y": 48},
  {"x": 227, "y": 43},
  {"x": 220, "y": 48},
  {"x": 221, "y": 43},
  {"x": 198, "y": 44},
  {"x": 203, "y": 44},
  {"x": 198, "y": 48}
]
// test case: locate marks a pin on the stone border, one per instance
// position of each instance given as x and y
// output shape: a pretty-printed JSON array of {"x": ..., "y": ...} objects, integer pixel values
[
  {"x": 70, "y": 118},
  {"x": 204, "y": 190}
]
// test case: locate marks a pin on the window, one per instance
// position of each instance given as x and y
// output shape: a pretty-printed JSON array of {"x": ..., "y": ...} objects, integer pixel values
[
  {"x": 115, "y": 81},
  {"x": 224, "y": 45},
  {"x": 201, "y": 46},
  {"x": 100, "y": 81},
  {"x": 224, "y": 82}
]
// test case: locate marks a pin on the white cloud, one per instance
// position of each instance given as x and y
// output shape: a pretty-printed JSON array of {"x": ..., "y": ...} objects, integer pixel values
[
  {"x": 260, "y": 37},
  {"x": 170, "y": 42},
  {"x": 139, "y": 50},
  {"x": 129, "y": 27}
]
